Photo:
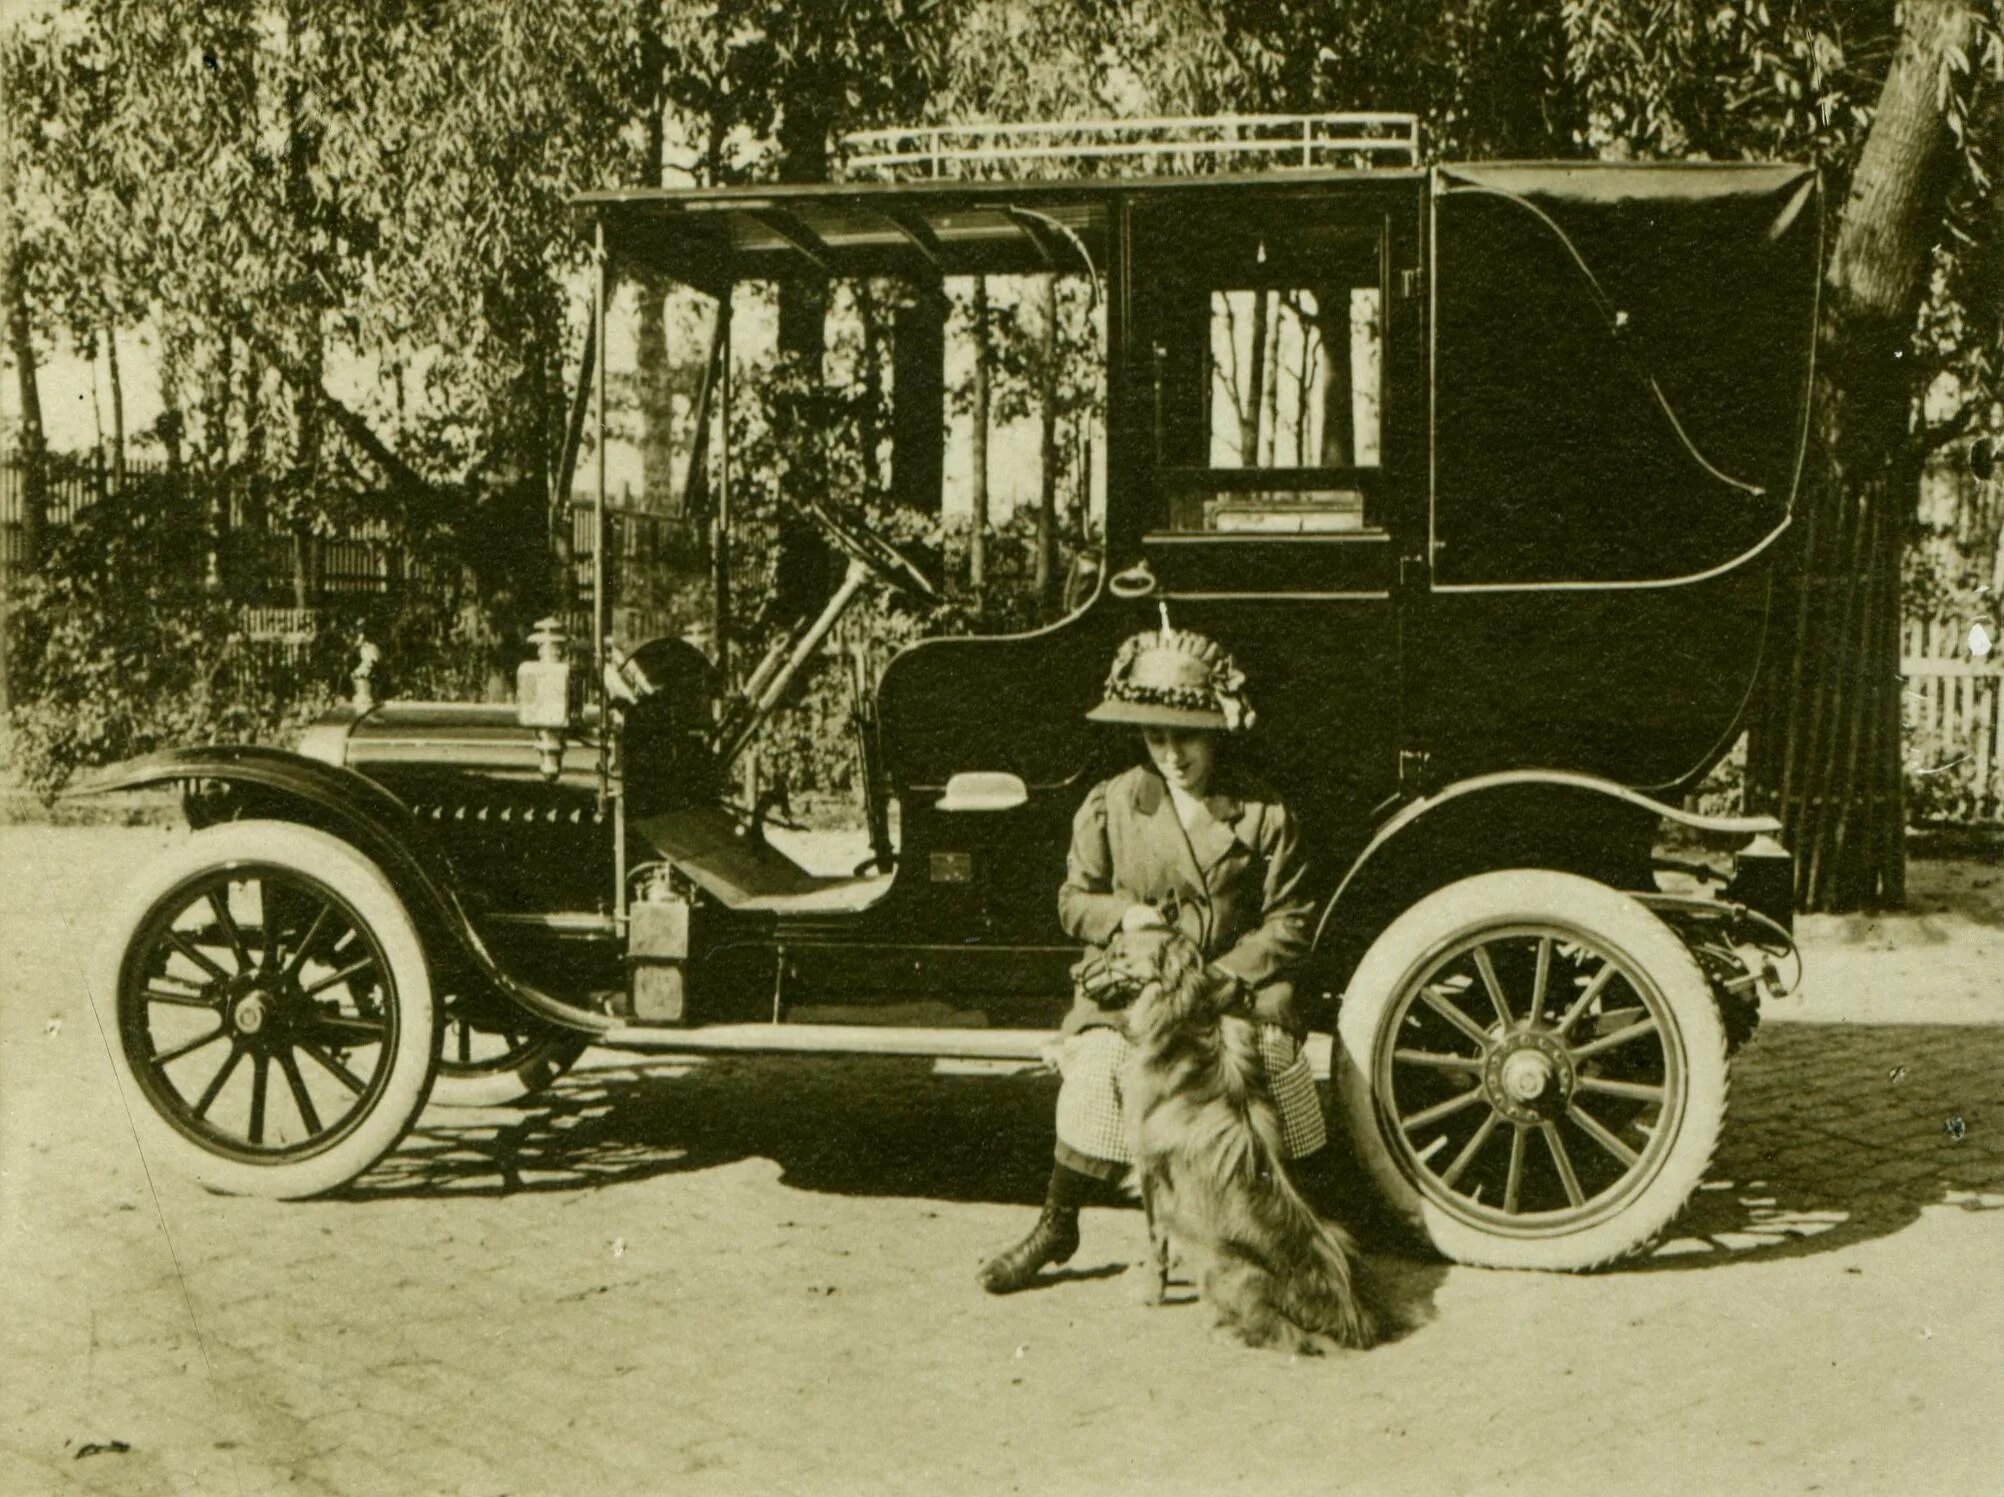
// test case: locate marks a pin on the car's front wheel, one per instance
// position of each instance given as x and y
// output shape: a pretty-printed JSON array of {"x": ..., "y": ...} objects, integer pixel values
[
  {"x": 274, "y": 1021},
  {"x": 1532, "y": 1069}
]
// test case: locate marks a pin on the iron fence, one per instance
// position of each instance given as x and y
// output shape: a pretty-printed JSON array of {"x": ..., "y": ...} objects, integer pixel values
[{"x": 263, "y": 561}]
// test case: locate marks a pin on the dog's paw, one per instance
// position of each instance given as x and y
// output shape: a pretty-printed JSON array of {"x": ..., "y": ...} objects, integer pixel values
[{"x": 1151, "y": 1286}]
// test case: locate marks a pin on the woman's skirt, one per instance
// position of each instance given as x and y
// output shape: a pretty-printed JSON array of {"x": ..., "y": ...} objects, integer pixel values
[{"x": 1093, "y": 1134}]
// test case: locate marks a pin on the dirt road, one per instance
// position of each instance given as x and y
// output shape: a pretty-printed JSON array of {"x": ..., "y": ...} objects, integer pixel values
[{"x": 757, "y": 1276}]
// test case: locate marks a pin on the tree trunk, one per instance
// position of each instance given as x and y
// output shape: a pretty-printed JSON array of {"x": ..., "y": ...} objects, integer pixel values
[
  {"x": 310, "y": 424},
  {"x": 803, "y": 302},
  {"x": 97, "y": 462},
  {"x": 10, "y": 283},
  {"x": 1269, "y": 415},
  {"x": 655, "y": 390},
  {"x": 870, "y": 413},
  {"x": 1044, "y": 577},
  {"x": 173, "y": 420},
  {"x": 243, "y": 507},
  {"x": 918, "y": 378},
  {"x": 216, "y": 439},
  {"x": 655, "y": 377},
  {"x": 1835, "y": 779},
  {"x": 117, "y": 410},
  {"x": 977, "y": 487},
  {"x": 34, "y": 440},
  {"x": 1989, "y": 292},
  {"x": 21, "y": 347},
  {"x": 1339, "y": 447},
  {"x": 1255, "y": 399}
]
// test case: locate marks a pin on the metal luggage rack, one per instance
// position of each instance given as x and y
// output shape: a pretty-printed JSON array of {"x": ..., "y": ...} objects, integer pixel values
[{"x": 929, "y": 152}]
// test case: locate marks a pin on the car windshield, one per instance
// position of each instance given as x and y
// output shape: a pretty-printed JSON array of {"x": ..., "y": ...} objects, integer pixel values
[{"x": 765, "y": 351}]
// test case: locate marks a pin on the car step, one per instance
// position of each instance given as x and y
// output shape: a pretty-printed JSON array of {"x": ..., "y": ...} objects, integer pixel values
[
  {"x": 866, "y": 1039},
  {"x": 834, "y": 1039}
]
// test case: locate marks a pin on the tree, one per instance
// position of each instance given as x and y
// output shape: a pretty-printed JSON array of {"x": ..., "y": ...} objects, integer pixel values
[
  {"x": 283, "y": 187},
  {"x": 24, "y": 237},
  {"x": 1016, "y": 60},
  {"x": 301, "y": 182},
  {"x": 1881, "y": 97},
  {"x": 787, "y": 79},
  {"x": 1839, "y": 763}
]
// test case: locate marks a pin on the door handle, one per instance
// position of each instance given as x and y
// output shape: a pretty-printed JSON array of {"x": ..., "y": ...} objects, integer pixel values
[{"x": 1137, "y": 581}]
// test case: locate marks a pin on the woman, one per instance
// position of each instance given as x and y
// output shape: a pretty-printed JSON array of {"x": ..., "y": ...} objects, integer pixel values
[{"x": 1186, "y": 840}]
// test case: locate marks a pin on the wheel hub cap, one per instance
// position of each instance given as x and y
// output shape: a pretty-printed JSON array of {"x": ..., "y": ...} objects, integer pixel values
[
  {"x": 1528, "y": 1077},
  {"x": 251, "y": 1014}
]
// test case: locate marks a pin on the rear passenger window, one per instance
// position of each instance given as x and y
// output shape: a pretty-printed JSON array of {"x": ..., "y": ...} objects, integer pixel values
[{"x": 1268, "y": 376}]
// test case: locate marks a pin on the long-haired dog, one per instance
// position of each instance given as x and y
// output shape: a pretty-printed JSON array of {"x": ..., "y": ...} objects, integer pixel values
[{"x": 1211, "y": 1160}]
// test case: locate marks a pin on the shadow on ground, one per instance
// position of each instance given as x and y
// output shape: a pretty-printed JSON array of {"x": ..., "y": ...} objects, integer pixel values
[
  {"x": 852, "y": 1126},
  {"x": 1841, "y": 1133},
  {"x": 1835, "y": 1134}
]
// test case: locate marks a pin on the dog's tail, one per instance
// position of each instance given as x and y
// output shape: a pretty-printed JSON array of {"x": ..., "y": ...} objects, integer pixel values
[
  {"x": 1310, "y": 1281},
  {"x": 1327, "y": 1296}
]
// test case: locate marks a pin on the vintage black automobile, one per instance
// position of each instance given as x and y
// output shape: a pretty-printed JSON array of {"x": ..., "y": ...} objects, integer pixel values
[{"x": 1502, "y": 576}]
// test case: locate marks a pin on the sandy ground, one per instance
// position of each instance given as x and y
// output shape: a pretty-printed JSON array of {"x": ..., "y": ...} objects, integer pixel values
[{"x": 756, "y": 1276}]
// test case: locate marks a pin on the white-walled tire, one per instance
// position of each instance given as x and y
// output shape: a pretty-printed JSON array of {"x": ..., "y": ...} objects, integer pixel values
[
  {"x": 271, "y": 1014},
  {"x": 1532, "y": 1070}
]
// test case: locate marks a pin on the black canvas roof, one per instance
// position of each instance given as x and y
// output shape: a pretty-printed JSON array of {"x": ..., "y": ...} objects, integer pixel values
[{"x": 710, "y": 236}]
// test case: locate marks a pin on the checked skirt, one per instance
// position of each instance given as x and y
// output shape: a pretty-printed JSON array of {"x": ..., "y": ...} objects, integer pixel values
[{"x": 1090, "y": 1120}]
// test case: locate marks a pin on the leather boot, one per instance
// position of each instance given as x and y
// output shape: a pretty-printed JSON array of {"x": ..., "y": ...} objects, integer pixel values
[{"x": 1053, "y": 1240}]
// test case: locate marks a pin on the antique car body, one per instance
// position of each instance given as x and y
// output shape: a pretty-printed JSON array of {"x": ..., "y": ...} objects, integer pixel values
[{"x": 1508, "y": 631}]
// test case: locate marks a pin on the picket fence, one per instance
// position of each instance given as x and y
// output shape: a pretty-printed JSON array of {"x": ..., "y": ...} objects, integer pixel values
[{"x": 1954, "y": 717}]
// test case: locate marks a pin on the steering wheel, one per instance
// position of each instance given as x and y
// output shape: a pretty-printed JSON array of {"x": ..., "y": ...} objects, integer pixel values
[{"x": 890, "y": 565}]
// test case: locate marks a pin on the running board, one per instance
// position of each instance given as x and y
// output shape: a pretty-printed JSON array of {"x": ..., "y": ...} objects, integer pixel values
[
  {"x": 866, "y": 1039},
  {"x": 833, "y": 1039}
]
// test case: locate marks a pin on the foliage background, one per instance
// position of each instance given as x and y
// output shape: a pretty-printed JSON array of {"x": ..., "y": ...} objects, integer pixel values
[{"x": 277, "y": 189}]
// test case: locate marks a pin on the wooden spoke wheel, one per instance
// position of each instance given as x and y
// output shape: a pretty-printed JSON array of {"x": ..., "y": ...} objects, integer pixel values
[
  {"x": 274, "y": 1014},
  {"x": 480, "y": 1066},
  {"x": 1533, "y": 1070}
]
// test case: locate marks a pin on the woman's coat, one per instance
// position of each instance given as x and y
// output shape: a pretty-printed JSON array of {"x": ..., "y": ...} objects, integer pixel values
[{"x": 1238, "y": 881}]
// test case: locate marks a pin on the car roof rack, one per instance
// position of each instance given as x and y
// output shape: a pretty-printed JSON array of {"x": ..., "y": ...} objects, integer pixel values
[{"x": 1177, "y": 146}]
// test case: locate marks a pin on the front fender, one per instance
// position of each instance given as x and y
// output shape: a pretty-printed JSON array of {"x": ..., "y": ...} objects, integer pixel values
[
  {"x": 1577, "y": 823},
  {"x": 292, "y": 787}
]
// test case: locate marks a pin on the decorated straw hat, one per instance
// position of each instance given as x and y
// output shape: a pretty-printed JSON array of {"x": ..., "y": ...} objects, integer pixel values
[{"x": 1174, "y": 678}]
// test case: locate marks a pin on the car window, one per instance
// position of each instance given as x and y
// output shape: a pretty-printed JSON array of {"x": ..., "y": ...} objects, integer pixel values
[
  {"x": 1268, "y": 378},
  {"x": 1294, "y": 385}
]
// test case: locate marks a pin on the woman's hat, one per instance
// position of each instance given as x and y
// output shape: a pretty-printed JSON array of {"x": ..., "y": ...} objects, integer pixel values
[{"x": 1174, "y": 678}]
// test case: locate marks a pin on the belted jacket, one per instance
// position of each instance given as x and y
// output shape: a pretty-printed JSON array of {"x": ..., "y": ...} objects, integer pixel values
[{"x": 1237, "y": 880}]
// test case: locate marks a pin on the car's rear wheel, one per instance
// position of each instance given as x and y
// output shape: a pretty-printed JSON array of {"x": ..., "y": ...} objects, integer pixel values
[
  {"x": 481, "y": 1066},
  {"x": 274, "y": 1021},
  {"x": 1533, "y": 1070}
]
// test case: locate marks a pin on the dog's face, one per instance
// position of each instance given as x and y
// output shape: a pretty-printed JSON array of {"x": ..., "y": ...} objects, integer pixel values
[{"x": 1176, "y": 986}]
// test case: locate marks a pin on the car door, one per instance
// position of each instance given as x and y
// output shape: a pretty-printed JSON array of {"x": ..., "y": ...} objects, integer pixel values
[
  {"x": 1276, "y": 362},
  {"x": 1621, "y": 383}
]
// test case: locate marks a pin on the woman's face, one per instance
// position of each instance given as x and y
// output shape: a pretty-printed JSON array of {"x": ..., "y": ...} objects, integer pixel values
[{"x": 1185, "y": 756}]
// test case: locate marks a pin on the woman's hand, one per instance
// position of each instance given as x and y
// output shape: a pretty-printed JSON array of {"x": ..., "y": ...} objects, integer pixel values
[{"x": 1142, "y": 917}]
